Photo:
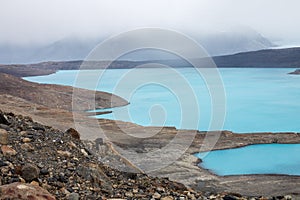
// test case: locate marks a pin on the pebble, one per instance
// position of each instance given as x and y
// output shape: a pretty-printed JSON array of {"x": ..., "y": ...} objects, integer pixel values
[
  {"x": 64, "y": 153},
  {"x": 26, "y": 140},
  {"x": 134, "y": 190},
  {"x": 160, "y": 189},
  {"x": 23, "y": 133},
  {"x": 167, "y": 198},
  {"x": 229, "y": 197},
  {"x": 6, "y": 127},
  {"x": 38, "y": 128},
  {"x": 191, "y": 196},
  {"x": 72, "y": 145},
  {"x": 27, "y": 147},
  {"x": 128, "y": 194},
  {"x": 75, "y": 134},
  {"x": 44, "y": 171},
  {"x": 30, "y": 172},
  {"x": 22, "y": 180},
  {"x": 83, "y": 151},
  {"x": 156, "y": 195},
  {"x": 8, "y": 151},
  {"x": 2, "y": 164},
  {"x": 3, "y": 119},
  {"x": 288, "y": 197},
  {"x": 34, "y": 183},
  {"x": 65, "y": 191},
  {"x": 3, "y": 136},
  {"x": 62, "y": 178}
]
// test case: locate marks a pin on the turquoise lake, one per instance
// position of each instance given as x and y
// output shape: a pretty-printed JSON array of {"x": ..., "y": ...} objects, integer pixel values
[
  {"x": 254, "y": 159},
  {"x": 257, "y": 100}
]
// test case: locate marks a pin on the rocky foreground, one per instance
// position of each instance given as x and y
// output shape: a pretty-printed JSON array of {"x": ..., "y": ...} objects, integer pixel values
[{"x": 40, "y": 162}]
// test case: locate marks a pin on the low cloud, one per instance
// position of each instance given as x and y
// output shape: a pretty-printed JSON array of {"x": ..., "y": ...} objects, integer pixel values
[{"x": 45, "y": 21}]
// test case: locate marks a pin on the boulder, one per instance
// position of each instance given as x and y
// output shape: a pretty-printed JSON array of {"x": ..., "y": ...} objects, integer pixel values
[{"x": 23, "y": 191}]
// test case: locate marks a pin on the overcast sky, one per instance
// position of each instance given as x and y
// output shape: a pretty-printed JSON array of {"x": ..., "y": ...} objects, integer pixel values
[{"x": 44, "y": 21}]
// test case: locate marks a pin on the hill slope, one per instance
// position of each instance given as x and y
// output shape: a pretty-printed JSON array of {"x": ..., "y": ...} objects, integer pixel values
[
  {"x": 55, "y": 96},
  {"x": 271, "y": 58}
]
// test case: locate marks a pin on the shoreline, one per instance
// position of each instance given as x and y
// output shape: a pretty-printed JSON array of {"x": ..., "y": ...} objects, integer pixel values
[
  {"x": 186, "y": 169},
  {"x": 51, "y": 67},
  {"x": 183, "y": 170},
  {"x": 51, "y": 163}
]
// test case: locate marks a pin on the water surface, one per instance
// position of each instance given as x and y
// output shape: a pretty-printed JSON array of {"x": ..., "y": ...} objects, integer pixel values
[
  {"x": 257, "y": 100},
  {"x": 254, "y": 159}
]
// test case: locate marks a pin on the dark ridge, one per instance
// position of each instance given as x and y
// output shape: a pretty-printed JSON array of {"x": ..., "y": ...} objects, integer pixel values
[{"x": 270, "y": 58}]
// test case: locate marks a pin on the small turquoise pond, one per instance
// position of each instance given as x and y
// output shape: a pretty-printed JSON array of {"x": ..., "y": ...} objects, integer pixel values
[{"x": 254, "y": 159}]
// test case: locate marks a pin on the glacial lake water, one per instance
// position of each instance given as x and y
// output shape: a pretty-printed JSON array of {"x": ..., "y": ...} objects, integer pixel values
[
  {"x": 254, "y": 159},
  {"x": 257, "y": 100}
]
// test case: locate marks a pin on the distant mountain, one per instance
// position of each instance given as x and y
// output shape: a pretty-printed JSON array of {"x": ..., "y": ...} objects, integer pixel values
[
  {"x": 221, "y": 43},
  {"x": 234, "y": 41},
  {"x": 66, "y": 49},
  {"x": 268, "y": 58},
  {"x": 62, "y": 50},
  {"x": 271, "y": 58}
]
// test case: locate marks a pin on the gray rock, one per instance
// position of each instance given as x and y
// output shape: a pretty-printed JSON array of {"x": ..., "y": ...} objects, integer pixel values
[
  {"x": 156, "y": 195},
  {"x": 30, "y": 172},
  {"x": 44, "y": 171},
  {"x": 3, "y": 119},
  {"x": 95, "y": 174},
  {"x": 99, "y": 142},
  {"x": 3, "y": 136},
  {"x": 128, "y": 194},
  {"x": 73, "y": 196},
  {"x": 6, "y": 127},
  {"x": 229, "y": 197},
  {"x": 27, "y": 147}
]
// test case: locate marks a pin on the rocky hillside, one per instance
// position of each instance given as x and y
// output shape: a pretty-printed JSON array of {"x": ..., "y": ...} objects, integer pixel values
[
  {"x": 56, "y": 96},
  {"x": 269, "y": 58},
  {"x": 39, "y": 162}
]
